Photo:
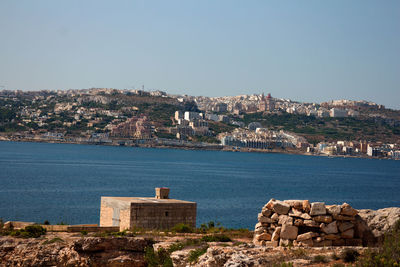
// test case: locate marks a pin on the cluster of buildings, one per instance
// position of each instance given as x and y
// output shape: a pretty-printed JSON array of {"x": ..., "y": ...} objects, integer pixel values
[
  {"x": 260, "y": 138},
  {"x": 357, "y": 148},
  {"x": 134, "y": 127},
  {"x": 259, "y": 103},
  {"x": 92, "y": 115},
  {"x": 189, "y": 123}
]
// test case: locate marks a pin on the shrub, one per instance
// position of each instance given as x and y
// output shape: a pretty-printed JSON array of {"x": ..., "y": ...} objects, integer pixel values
[
  {"x": 182, "y": 228},
  {"x": 84, "y": 232},
  {"x": 46, "y": 222},
  {"x": 31, "y": 231},
  {"x": 350, "y": 255},
  {"x": 159, "y": 258},
  {"x": 196, "y": 253},
  {"x": 319, "y": 259},
  {"x": 216, "y": 238},
  {"x": 388, "y": 254}
]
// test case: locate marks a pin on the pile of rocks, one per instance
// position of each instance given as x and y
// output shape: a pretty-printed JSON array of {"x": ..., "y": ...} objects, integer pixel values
[{"x": 301, "y": 223}]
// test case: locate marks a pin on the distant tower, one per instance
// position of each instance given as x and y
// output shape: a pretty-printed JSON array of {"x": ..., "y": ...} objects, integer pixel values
[{"x": 266, "y": 103}]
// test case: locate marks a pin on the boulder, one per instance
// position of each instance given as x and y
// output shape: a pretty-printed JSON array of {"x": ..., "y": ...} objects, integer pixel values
[
  {"x": 347, "y": 234},
  {"x": 281, "y": 207},
  {"x": 347, "y": 210},
  {"x": 264, "y": 236},
  {"x": 330, "y": 228},
  {"x": 305, "y": 236},
  {"x": 306, "y": 206},
  {"x": 289, "y": 232},
  {"x": 378, "y": 222},
  {"x": 333, "y": 209},
  {"x": 344, "y": 218},
  {"x": 270, "y": 204},
  {"x": 322, "y": 218},
  {"x": 276, "y": 234},
  {"x": 298, "y": 222},
  {"x": 264, "y": 219},
  {"x": 266, "y": 212},
  {"x": 285, "y": 219},
  {"x": 345, "y": 226},
  {"x": 297, "y": 204},
  {"x": 311, "y": 223},
  {"x": 318, "y": 208}
]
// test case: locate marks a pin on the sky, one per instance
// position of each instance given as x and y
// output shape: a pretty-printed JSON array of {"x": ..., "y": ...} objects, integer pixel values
[{"x": 310, "y": 51}]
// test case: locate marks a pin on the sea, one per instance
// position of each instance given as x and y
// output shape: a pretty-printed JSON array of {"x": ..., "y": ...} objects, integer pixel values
[{"x": 63, "y": 183}]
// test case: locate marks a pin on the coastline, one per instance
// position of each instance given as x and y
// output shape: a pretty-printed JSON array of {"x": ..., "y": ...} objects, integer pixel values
[{"x": 189, "y": 146}]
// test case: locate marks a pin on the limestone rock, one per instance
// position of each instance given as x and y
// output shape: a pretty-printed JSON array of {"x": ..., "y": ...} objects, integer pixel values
[
  {"x": 347, "y": 234},
  {"x": 306, "y": 206},
  {"x": 330, "y": 228},
  {"x": 298, "y": 222},
  {"x": 270, "y": 204},
  {"x": 344, "y": 218},
  {"x": 305, "y": 236},
  {"x": 378, "y": 222},
  {"x": 345, "y": 226},
  {"x": 318, "y": 208},
  {"x": 285, "y": 219},
  {"x": 347, "y": 210},
  {"x": 275, "y": 217},
  {"x": 281, "y": 207},
  {"x": 311, "y": 223},
  {"x": 323, "y": 218},
  {"x": 289, "y": 232},
  {"x": 266, "y": 212},
  {"x": 276, "y": 234},
  {"x": 297, "y": 204},
  {"x": 264, "y": 236},
  {"x": 333, "y": 209},
  {"x": 264, "y": 219}
]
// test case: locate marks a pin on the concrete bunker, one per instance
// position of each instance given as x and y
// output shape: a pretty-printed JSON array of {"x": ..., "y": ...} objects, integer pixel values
[{"x": 159, "y": 212}]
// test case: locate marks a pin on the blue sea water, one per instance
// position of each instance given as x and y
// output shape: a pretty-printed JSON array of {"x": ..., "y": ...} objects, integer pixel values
[{"x": 64, "y": 182}]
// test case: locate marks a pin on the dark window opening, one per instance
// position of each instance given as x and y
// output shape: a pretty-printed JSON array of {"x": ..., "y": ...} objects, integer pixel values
[{"x": 166, "y": 214}]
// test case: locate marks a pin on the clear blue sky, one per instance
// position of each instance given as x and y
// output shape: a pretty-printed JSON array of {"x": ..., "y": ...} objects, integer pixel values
[{"x": 302, "y": 50}]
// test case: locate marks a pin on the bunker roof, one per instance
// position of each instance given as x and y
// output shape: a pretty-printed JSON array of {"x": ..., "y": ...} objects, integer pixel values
[{"x": 147, "y": 200}]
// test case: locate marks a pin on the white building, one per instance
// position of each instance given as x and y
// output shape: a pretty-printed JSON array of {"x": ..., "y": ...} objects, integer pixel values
[
  {"x": 190, "y": 115},
  {"x": 338, "y": 113}
]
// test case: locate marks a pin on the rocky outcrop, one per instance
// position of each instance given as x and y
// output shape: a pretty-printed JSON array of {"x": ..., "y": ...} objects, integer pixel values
[
  {"x": 88, "y": 251},
  {"x": 373, "y": 224}
]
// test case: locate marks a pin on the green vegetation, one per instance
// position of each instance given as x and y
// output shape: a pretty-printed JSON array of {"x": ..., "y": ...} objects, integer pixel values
[
  {"x": 350, "y": 255},
  {"x": 31, "y": 231},
  {"x": 182, "y": 228},
  {"x": 157, "y": 258},
  {"x": 196, "y": 253},
  {"x": 326, "y": 129},
  {"x": 320, "y": 259},
  {"x": 388, "y": 254}
]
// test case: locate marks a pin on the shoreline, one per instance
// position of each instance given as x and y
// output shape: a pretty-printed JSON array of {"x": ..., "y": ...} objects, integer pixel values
[{"x": 195, "y": 146}]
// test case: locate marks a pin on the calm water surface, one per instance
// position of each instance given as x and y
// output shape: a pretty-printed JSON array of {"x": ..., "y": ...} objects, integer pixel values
[{"x": 64, "y": 182}]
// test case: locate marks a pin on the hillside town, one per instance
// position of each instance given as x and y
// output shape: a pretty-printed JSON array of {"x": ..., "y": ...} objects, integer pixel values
[{"x": 255, "y": 122}]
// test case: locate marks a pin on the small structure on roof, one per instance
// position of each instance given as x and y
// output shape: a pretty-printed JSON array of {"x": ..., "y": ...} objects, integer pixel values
[{"x": 159, "y": 212}]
